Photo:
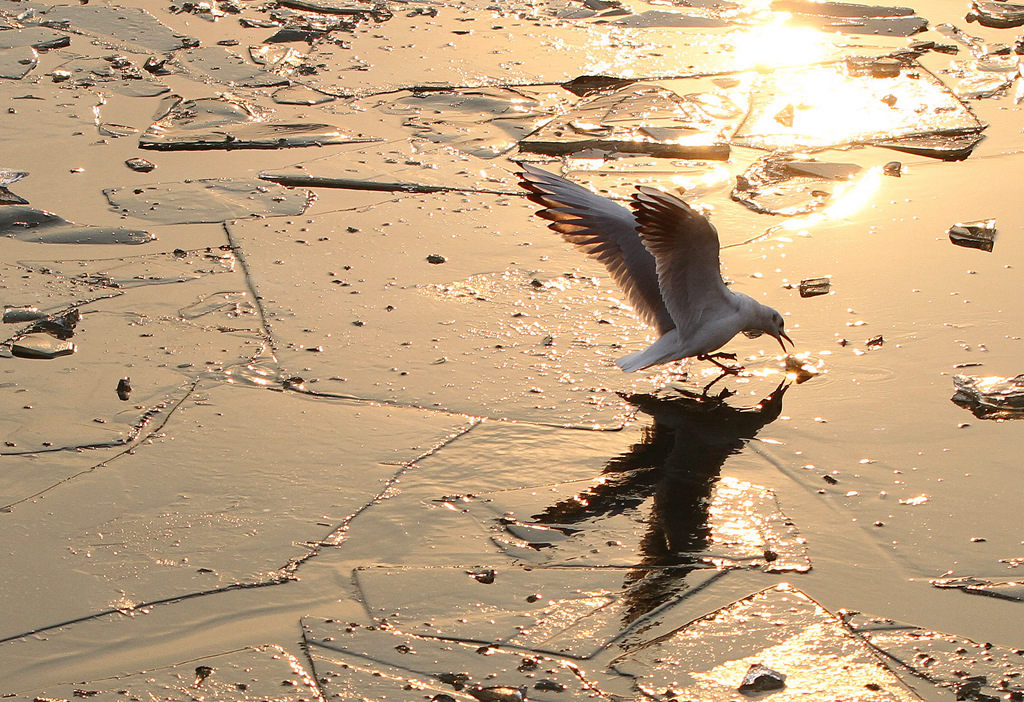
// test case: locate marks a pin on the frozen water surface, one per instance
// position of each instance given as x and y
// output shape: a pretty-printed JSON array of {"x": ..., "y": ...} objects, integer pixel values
[{"x": 375, "y": 444}]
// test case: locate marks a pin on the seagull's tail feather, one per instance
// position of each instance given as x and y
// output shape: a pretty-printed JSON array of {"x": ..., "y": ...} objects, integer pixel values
[
  {"x": 631, "y": 362},
  {"x": 665, "y": 349}
]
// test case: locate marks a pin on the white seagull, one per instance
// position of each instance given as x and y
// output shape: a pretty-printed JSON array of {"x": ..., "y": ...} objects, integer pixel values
[{"x": 664, "y": 256}]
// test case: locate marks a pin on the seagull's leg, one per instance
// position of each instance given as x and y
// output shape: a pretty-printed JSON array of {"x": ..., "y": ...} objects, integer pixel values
[
  {"x": 713, "y": 357},
  {"x": 722, "y": 395}
]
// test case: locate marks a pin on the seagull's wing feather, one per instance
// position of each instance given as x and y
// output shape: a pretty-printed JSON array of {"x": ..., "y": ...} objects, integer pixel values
[
  {"x": 606, "y": 231},
  {"x": 685, "y": 247}
]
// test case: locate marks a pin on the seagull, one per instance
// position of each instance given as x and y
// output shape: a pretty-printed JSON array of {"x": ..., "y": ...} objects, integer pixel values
[{"x": 664, "y": 256}]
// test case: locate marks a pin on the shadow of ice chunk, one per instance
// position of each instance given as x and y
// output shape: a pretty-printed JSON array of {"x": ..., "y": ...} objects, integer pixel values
[{"x": 780, "y": 628}]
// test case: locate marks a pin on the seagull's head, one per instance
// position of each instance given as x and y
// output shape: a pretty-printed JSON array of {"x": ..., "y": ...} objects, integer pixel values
[{"x": 770, "y": 323}]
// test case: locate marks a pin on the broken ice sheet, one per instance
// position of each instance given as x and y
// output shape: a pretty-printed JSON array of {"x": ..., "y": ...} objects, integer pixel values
[
  {"x": 788, "y": 184},
  {"x": 133, "y": 271},
  {"x": 423, "y": 51},
  {"x": 971, "y": 670},
  {"x": 39, "y": 226},
  {"x": 128, "y": 27},
  {"x": 261, "y": 672},
  {"x": 946, "y": 147},
  {"x": 849, "y": 18},
  {"x": 1005, "y": 588},
  {"x": 207, "y": 200},
  {"x": 640, "y": 118},
  {"x": 15, "y": 64},
  {"x": 990, "y": 397},
  {"x": 986, "y": 77},
  {"x": 996, "y": 14},
  {"x": 661, "y": 503},
  {"x": 781, "y": 628},
  {"x": 369, "y": 662},
  {"x": 255, "y": 486},
  {"x": 27, "y": 289},
  {"x": 59, "y": 405},
  {"x": 665, "y": 18},
  {"x": 300, "y": 95},
  {"x": 115, "y": 73},
  {"x": 562, "y": 611},
  {"x": 42, "y": 346},
  {"x": 35, "y": 37},
  {"x": 980, "y": 234},
  {"x": 484, "y": 122},
  {"x": 228, "y": 123},
  {"x": 842, "y": 103},
  {"x": 225, "y": 67}
]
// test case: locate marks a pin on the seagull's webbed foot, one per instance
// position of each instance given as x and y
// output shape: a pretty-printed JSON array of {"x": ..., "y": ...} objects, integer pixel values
[{"x": 713, "y": 357}]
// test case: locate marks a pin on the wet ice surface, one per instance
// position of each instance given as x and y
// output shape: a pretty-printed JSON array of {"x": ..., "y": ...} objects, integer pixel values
[{"x": 301, "y": 400}]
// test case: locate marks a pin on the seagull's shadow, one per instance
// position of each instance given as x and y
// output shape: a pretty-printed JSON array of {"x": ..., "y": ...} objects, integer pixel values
[{"x": 677, "y": 462}]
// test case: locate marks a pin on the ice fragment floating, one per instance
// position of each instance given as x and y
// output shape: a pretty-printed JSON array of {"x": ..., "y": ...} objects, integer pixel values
[
  {"x": 14, "y": 315},
  {"x": 811, "y": 287},
  {"x": 41, "y": 346},
  {"x": 761, "y": 678},
  {"x": 990, "y": 397},
  {"x": 980, "y": 234}
]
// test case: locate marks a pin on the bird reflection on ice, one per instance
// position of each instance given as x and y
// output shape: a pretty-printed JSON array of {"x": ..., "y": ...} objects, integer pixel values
[
  {"x": 669, "y": 484},
  {"x": 678, "y": 464}
]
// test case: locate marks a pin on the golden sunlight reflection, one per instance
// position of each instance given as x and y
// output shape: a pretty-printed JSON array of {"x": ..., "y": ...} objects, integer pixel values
[
  {"x": 716, "y": 174},
  {"x": 778, "y": 43},
  {"x": 847, "y": 199}
]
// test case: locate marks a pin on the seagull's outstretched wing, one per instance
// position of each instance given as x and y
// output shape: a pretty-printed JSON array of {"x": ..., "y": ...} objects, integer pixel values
[
  {"x": 608, "y": 232},
  {"x": 685, "y": 246}
]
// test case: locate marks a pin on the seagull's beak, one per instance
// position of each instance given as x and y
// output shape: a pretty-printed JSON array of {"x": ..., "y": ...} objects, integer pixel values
[{"x": 782, "y": 335}]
